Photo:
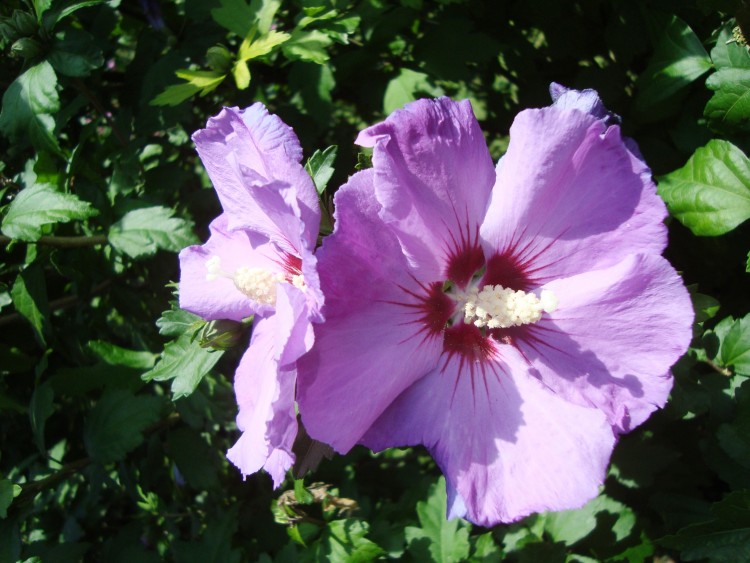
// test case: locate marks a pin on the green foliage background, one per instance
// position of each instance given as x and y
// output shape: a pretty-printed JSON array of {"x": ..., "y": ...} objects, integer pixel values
[{"x": 116, "y": 407}]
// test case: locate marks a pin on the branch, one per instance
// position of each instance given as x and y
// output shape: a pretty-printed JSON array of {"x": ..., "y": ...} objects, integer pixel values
[{"x": 64, "y": 242}]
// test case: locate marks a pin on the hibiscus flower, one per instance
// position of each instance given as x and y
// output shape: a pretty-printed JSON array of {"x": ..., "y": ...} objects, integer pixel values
[
  {"x": 258, "y": 262},
  {"x": 514, "y": 320}
]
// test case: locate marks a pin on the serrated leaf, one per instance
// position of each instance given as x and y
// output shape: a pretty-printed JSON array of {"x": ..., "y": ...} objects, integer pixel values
[
  {"x": 203, "y": 81},
  {"x": 679, "y": 58},
  {"x": 75, "y": 53},
  {"x": 735, "y": 346},
  {"x": 117, "y": 356},
  {"x": 63, "y": 8},
  {"x": 184, "y": 362},
  {"x": 405, "y": 88},
  {"x": 114, "y": 426},
  {"x": 724, "y": 539},
  {"x": 29, "y": 104},
  {"x": 345, "y": 541},
  {"x": 729, "y": 107},
  {"x": 174, "y": 95},
  {"x": 178, "y": 321},
  {"x": 252, "y": 49},
  {"x": 144, "y": 231},
  {"x": 320, "y": 167},
  {"x": 437, "y": 539},
  {"x": 710, "y": 194},
  {"x": 235, "y": 15},
  {"x": 307, "y": 46},
  {"x": 29, "y": 296},
  {"x": 727, "y": 53},
  {"x": 571, "y": 526},
  {"x": 41, "y": 205}
]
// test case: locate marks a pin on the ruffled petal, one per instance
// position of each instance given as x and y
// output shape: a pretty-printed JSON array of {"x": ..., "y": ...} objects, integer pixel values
[
  {"x": 507, "y": 445},
  {"x": 368, "y": 350},
  {"x": 433, "y": 177},
  {"x": 570, "y": 197},
  {"x": 587, "y": 101},
  {"x": 613, "y": 338},
  {"x": 249, "y": 155},
  {"x": 219, "y": 298},
  {"x": 265, "y": 395},
  {"x": 296, "y": 333}
]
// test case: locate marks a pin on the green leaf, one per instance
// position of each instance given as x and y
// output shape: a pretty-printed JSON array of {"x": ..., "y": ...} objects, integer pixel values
[
  {"x": 41, "y": 205},
  {"x": 235, "y": 15},
  {"x": 485, "y": 549},
  {"x": 710, "y": 194},
  {"x": 724, "y": 539},
  {"x": 679, "y": 59},
  {"x": 203, "y": 81},
  {"x": 28, "y": 107},
  {"x": 301, "y": 494},
  {"x": 307, "y": 46},
  {"x": 177, "y": 321},
  {"x": 63, "y": 8},
  {"x": 144, "y": 231},
  {"x": 241, "y": 74},
  {"x": 320, "y": 167},
  {"x": 571, "y": 526},
  {"x": 40, "y": 409},
  {"x": 29, "y": 295},
  {"x": 727, "y": 53},
  {"x": 252, "y": 49},
  {"x": 729, "y": 108},
  {"x": 117, "y": 356},
  {"x": 6, "y": 496},
  {"x": 264, "y": 11},
  {"x": 174, "y": 95},
  {"x": 405, "y": 88},
  {"x": 114, "y": 426},
  {"x": 74, "y": 53},
  {"x": 345, "y": 541},
  {"x": 184, "y": 362},
  {"x": 735, "y": 346},
  {"x": 438, "y": 539}
]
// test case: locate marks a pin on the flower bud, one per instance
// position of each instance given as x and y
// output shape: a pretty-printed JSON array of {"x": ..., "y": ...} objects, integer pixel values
[{"x": 220, "y": 335}]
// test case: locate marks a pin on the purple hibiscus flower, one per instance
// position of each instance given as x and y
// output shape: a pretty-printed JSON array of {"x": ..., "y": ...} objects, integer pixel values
[
  {"x": 514, "y": 320},
  {"x": 258, "y": 261}
]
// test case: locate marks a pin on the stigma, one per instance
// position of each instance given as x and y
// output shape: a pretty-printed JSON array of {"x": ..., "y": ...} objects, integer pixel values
[
  {"x": 258, "y": 284},
  {"x": 495, "y": 306}
]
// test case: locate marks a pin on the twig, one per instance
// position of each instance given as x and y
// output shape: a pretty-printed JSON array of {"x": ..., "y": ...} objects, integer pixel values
[{"x": 64, "y": 242}]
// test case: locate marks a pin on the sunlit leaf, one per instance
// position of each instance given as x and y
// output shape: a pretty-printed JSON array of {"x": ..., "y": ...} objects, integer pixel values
[
  {"x": 40, "y": 205},
  {"x": 320, "y": 167},
  {"x": 144, "y": 231},
  {"x": 711, "y": 193}
]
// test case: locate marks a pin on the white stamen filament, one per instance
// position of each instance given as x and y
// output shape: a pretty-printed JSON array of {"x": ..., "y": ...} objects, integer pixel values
[
  {"x": 498, "y": 307},
  {"x": 258, "y": 284}
]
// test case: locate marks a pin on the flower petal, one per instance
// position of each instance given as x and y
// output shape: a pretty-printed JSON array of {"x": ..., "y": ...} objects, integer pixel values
[
  {"x": 368, "y": 350},
  {"x": 433, "y": 177},
  {"x": 265, "y": 395},
  {"x": 613, "y": 338},
  {"x": 534, "y": 452},
  {"x": 219, "y": 298},
  {"x": 249, "y": 154},
  {"x": 570, "y": 197}
]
